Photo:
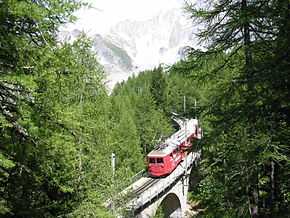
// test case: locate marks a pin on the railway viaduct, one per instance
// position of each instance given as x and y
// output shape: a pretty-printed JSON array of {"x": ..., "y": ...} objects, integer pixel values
[{"x": 170, "y": 192}]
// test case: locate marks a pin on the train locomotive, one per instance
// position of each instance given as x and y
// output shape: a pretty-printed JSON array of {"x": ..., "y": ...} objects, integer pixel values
[{"x": 167, "y": 155}]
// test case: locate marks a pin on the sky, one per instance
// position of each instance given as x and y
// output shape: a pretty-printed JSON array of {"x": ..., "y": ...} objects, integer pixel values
[{"x": 106, "y": 13}]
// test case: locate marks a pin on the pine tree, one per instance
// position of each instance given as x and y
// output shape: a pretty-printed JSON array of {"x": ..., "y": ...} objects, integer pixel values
[{"x": 246, "y": 130}]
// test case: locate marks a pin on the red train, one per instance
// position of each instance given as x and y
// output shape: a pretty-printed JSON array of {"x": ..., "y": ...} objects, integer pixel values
[{"x": 166, "y": 157}]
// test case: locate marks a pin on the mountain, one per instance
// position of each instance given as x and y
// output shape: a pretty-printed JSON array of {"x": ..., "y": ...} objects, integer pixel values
[
  {"x": 116, "y": 61},
  {"x": 153, "y": 41},
  {"x": 132, "y": 46}
]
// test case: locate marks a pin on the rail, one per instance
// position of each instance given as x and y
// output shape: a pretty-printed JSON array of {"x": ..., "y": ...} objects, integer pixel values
[{"x": 138, "y": 175}]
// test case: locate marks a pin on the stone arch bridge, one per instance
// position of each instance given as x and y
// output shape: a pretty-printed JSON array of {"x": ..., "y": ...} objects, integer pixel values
[{"x": 148, "y": 194}]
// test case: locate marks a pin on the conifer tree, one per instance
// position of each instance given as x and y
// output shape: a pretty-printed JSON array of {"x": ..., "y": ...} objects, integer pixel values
[{"x": 245, "y": 134}]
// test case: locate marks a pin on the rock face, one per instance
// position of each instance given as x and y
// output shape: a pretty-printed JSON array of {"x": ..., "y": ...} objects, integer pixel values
[
  {"x": 116, "y": 61},
  {"x": 154, "y": 41},
  {"x": 131, "y": 46}
]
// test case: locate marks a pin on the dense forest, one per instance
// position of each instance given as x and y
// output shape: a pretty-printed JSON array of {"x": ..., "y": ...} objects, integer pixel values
[{"x": 59, "y": 125}]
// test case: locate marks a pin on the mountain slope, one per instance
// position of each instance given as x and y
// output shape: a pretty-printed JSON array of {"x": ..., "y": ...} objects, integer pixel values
[{"x": 132, "y": 46}]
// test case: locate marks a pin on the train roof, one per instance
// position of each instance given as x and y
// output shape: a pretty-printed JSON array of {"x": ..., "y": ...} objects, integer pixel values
[
  {"x": 187, "y": 128},
  {"x": 156, "y": 153}
]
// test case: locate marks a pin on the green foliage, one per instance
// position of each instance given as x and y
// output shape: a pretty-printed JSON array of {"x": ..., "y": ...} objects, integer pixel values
[
  {"x": 158, "y": 84},
  {"x": 125, "y": 135},
  {"x": 159, "y": 212},
  {"x": 143, "y": 93},
  {"x": 58, "y": 126},
  {"x": 244, "y": 111},
  {"x": 57, "y": 130}
]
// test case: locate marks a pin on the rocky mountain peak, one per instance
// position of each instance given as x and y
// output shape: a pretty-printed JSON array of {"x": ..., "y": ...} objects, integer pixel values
[{"x": 132, "y": 46}]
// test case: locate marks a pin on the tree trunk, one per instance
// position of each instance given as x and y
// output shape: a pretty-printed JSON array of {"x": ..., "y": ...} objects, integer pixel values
[
  {"x": 247, "y": 40},
  {"x": 272, "y": 182}
]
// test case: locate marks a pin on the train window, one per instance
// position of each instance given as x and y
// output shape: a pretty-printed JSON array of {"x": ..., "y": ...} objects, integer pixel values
[
  {"x": 152, "y": 160},
  {"x": 159, "y": 160}
]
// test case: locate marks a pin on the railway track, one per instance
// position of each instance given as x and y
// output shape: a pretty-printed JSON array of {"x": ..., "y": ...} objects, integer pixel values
[{"x": 150, "y": 182}]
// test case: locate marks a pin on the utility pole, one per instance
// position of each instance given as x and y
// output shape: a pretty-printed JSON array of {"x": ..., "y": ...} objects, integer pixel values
[
  {"x": 195, "y": 113},
  {"x": 184, "y": 104},
  {"x": 113, "y": 165},
  {"x": 185, "y": 129}
]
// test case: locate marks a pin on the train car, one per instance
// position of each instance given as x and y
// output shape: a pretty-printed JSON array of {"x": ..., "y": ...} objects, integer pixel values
[
  {"x": 166, "y": 157},
  {"x": 163, "y": 161}
]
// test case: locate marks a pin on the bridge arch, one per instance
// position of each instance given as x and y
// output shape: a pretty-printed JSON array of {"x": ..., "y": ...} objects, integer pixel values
[{"x": 171, "y": 206}]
